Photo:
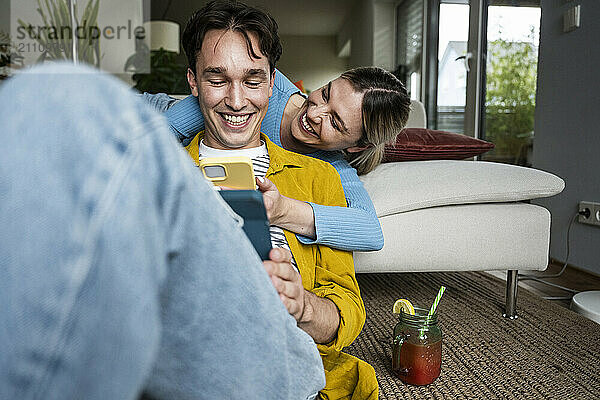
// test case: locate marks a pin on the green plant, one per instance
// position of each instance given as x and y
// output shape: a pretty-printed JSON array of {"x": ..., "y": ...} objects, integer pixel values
[
  {"x": 166, "y": 75},
  {"x": 56, "y": 36},
  {"x": 10, "y": 56},
  {"x": 510, "y": 95}
]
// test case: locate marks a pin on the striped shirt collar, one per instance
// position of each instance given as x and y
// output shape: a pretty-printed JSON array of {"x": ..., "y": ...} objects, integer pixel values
[
  {"x": 280, "y": 157},
  {"x": 206, "y": 151}
]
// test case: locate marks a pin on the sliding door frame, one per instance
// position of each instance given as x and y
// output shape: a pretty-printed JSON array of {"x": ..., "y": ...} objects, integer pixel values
[
  {"x": 476, "y": 49},
  {"x": 431, "y": 25}
]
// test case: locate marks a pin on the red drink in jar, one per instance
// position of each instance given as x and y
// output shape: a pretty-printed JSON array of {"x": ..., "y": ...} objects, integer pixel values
[
  {"x": 418, "y": 364},
  {"x": 417, "y": 351}
]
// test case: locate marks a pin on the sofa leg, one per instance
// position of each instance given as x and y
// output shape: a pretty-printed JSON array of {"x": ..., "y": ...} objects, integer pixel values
[{"x": 511, "y": 294}]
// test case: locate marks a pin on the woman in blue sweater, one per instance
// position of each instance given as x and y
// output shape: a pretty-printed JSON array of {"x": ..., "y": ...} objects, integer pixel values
[{"x": 346, "y": 123}]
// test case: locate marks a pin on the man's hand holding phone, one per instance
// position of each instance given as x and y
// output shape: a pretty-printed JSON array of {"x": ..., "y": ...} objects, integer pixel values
[
  {"x": 319, "y": 317},
  {"x": 287, "y": 281}
]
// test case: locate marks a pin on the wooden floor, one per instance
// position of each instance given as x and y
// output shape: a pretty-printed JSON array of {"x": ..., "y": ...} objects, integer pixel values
[{"x": 572, "y": 278}]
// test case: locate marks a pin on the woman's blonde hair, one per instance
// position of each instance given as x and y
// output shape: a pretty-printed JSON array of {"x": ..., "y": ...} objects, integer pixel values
[{"x": 385, "y": 109}]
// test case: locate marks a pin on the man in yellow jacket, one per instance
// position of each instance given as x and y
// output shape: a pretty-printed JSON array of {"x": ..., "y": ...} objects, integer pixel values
[
  {"x": 233, "y": 80},
  {"x": 325, "y": 273}
]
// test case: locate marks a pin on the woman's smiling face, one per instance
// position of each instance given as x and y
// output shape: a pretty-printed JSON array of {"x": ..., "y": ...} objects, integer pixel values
[{"x": 331, "y": 117}]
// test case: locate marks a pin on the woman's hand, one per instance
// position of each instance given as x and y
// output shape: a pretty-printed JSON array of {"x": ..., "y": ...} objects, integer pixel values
[
  {"x": 275, "y": 203},
  {"x": 284, "y": 212}
]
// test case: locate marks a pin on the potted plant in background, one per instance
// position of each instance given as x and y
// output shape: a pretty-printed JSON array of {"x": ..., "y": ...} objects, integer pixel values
[
  {"x": 166, "y": 74},
  {"x": 10, "y": 56},
  {"x": 60, "y": 17}
]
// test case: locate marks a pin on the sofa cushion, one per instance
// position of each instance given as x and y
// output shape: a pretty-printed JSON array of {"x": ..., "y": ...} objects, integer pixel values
[
  {"x": 414, "y": 144},
  {"x": 405, "y": 186},
  {"x": 468, "y": 237}
]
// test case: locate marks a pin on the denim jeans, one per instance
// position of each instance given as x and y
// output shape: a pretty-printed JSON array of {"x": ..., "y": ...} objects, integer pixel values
[{"x": 121, "y": 270}]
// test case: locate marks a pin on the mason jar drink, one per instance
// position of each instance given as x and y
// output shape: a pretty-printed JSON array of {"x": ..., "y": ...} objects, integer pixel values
[{"x": 417, "y": 348}]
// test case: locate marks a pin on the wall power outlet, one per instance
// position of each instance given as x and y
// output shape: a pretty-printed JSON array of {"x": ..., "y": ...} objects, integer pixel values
[{"x": 593, "y": 216}]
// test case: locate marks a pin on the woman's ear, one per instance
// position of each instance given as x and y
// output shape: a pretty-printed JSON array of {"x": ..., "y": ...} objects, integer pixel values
[
  {"x": 191, "y": 78},
  {"x": 358, "y": 149}
]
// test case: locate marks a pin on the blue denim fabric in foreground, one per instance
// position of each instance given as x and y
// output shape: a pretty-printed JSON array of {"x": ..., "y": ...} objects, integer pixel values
[{"x": 120, "y": 269}]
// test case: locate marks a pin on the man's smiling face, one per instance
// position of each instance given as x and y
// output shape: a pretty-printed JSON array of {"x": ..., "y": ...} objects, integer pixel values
[{"x": 233, "y": 89}]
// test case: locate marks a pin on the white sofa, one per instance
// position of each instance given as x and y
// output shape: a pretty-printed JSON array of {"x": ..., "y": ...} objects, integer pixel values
[{"x": 449, "y": 215}]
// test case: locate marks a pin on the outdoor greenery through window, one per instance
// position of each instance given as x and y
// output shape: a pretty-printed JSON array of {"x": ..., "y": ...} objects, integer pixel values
[
  {"x": 512, "y": 56},
  {"x": 510, "y": 76}
]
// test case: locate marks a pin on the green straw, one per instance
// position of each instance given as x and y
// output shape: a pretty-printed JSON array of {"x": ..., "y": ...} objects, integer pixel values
[{"x": 436, "y": 301}]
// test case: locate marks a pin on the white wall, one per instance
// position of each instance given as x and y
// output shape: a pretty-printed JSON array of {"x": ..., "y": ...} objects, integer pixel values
[
  {"x": 384, "y": 35},
  {"x": 371, "y": 29},
  {"x": 567, "y": 125},
  {"x": 312, "y": 59},
  {"x": 358, "y": 28}
]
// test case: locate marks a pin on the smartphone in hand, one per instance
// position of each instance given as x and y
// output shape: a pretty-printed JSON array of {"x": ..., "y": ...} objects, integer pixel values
[
  {"x": 237, "y": 173},
  {"x": 248, "y": 204}
]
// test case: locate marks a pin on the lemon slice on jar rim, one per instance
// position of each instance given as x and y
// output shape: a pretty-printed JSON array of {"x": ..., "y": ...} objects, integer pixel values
[{"x": 403, "y": 304}]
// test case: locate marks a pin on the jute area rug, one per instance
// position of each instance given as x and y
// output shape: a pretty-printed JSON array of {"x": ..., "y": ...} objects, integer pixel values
[{"x": 548, "y": 352}]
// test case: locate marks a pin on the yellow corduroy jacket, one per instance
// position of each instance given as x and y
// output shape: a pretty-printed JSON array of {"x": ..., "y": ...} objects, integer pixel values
[{"x": 326, "y": 272}]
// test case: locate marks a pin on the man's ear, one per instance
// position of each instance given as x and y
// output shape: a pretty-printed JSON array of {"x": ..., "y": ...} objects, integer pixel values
[
  {"x": 272, "y": 83},
  {"x": 357, "y": 149},
  {"x": 191, "y": 78}
]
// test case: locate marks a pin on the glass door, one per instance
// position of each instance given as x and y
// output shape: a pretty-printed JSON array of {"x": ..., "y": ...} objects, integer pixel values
[
  {"x": 455, "y": 89},
  {"x": 510, "y": 82},
  {"x": 481, "y": 69},
  {"x": 452, "y": 61}
]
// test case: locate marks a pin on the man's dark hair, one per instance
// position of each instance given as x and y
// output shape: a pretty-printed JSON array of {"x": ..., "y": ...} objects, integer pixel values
[{"x": 237, "y": 17}]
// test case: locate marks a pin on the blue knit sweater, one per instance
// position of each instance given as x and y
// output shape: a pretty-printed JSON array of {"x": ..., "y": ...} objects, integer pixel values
[{"x": 355, "y": 228}]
